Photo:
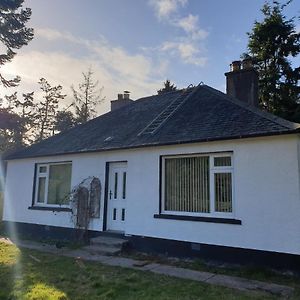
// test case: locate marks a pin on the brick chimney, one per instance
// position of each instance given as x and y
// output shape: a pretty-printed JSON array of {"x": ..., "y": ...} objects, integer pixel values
[
  {"x": 123, "y": 100},
  {"x": 242, "y": 81}
]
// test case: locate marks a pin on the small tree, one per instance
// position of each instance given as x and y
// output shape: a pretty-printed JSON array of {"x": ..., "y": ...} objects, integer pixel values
[
  {"x": 13, "y": 33},
  {"x": 64, "y": 120},
  {"x": 10, "y": 126},
  {"x": 272, "y": 42},
  {"x": 27, "y": 114},
  {"x": 168, "y": 87},
  {"x": 47, "y": 109},
  {"x": 16, "y": 121},
  {"x": 87, "y": 97}
]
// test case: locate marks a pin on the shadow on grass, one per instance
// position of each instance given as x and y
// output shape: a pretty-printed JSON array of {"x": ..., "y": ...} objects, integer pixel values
[{"x": 45, "y": 276}]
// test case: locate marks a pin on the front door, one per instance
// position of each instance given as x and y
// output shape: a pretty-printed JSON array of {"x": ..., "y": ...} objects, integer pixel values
[{"x": 117, "y": 193}]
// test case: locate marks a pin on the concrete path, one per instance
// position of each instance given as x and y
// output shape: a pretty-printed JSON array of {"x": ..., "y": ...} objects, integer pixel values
[{"x": 238, "y": 283}]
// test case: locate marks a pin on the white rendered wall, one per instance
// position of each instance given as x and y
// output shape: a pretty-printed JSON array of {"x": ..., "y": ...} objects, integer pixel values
[{"x": 266, "y": 193}]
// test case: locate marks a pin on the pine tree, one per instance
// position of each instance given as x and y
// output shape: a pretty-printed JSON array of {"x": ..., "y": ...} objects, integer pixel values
[
  {"x": 47, "y": 109},
  {"x": 26, "y": 112},
  {"x": 168, "y": 87},
  {"x": 13, "y": 33},
  {"x": 64, "y": 120},
  {"x": 272, "y": 42},
  {"x": 87, "y": 97},
  {"x": 10, "y": 126}
]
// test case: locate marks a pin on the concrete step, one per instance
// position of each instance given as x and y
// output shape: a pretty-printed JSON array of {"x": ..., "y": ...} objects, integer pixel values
[
  {"x": 109, "y": 241},
  {"x": 102, "y": 250}
]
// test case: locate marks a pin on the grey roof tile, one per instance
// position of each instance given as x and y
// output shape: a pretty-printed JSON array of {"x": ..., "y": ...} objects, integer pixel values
[{"x": 205, "y": 115}]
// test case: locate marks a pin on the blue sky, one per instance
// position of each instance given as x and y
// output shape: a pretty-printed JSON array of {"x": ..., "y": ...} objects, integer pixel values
[{"x": 135, "y": 44}]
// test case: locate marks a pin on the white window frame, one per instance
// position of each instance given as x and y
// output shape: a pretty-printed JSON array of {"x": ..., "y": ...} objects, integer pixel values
[
  {"x": 46, "y": 175},
  {"x": 212, "y": 171}
]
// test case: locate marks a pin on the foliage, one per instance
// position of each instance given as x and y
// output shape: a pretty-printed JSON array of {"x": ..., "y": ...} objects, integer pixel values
[
  {"x": 14, "y": 33},
  {"x": 26, "y": 107},
  {"x": 47, "y": 109},
  {"x": 24, "y": 110},
  {"x": 87, "y": 97},
  {"x": 64, "y": 120},
  {"x": 272, "y": 43},
  {"x": 10, "y": 128},
  {"x": 85, "y": 199},
  {"x": 168, "y": 87},
  {"x": 73, "y": 278}
]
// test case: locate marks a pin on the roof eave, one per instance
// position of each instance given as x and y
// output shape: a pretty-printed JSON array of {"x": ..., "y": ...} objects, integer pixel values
[{"x": 277, "y": 133}]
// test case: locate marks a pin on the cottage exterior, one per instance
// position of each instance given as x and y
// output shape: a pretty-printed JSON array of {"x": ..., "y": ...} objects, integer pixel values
[{"x": 193, "y": 171}]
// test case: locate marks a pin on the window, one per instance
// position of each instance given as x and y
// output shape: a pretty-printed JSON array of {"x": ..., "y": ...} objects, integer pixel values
[
  {"x": 198, "y": 185},
  {"x": 53, "y": 184}
]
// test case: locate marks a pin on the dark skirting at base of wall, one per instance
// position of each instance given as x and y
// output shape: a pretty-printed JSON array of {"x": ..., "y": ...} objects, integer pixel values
[
  {"x": 44, "y": 232},
  {"x": 165, "y": 246},
  {"x": 216, "y": 253}
]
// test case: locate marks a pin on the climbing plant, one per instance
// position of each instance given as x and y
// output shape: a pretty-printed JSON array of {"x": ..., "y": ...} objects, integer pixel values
[{"x": 85, "y": 205}]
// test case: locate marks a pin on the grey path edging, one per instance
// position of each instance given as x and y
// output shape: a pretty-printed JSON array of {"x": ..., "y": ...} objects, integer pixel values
[{"x": 233, "y": 282}]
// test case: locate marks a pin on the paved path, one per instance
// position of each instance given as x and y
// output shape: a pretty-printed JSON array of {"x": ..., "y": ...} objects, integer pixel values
[{"x": 207, "y": 277}]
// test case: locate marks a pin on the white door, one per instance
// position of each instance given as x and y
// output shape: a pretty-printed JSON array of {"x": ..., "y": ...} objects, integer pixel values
[{"x": 117, "y": 193}]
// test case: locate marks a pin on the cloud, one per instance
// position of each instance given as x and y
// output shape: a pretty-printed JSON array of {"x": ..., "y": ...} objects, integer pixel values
[
  {"x": 164, "y": 8},
  {"x": 189, "y": 46},
  {"x": 52, "y": 35},
  {"x": 190, "y": 25},
  {"x": 188, "y": 52},
  {"x": 114, "y": 67}
]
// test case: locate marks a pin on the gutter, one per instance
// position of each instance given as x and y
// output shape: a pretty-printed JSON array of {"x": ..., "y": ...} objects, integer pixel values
[{"x": 286, "y": 132}]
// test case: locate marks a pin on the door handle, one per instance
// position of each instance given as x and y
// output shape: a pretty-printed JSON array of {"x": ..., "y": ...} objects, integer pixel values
[{"x": 110, "y": 194}]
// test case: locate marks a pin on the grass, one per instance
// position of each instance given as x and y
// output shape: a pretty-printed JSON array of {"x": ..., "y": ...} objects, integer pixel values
[
  {"x": 30, "y": 275},
  {"x": 282, "y": 277}
]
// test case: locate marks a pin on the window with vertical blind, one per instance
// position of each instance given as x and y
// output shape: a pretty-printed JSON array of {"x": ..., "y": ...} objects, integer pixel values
[
  {"x": 198, "y": 184},
  {"x": 53, "y": 184}
]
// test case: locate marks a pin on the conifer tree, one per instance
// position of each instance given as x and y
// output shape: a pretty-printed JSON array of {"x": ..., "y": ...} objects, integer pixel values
[
  {"x": 87, "y": 97},
  {"x": 168, "y": 87},
  {"x": 47, "y": 109},
  {"x": 272, "y": 44},
  {"x": 26, "y": 112},
  {"x": 64, "y": 120},
  {"x": 13, "y": 33}
]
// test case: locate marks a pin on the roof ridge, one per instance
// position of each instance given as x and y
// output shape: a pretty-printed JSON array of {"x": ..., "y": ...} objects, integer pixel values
[
  {"x": 275, "y": 119},
  {"x": 155, "y": 95}
]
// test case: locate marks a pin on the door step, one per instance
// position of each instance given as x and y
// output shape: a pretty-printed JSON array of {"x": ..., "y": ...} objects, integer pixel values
[
  {"x": 108, "y": 241},
  {"x": 102, "y": 250},
  {"x": 106, "y": 245}
]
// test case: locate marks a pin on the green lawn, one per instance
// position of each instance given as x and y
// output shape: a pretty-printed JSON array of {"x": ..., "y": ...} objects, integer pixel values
[{"x": 27, "y": 274}]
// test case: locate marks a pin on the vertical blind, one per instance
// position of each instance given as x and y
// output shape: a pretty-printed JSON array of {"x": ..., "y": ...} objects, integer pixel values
[
  {"x": 223, "y": 192},
  {"x": 187, "y": 184}
]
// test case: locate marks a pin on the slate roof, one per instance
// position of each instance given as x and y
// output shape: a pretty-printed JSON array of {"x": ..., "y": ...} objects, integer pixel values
[{"x": 205, "y": 114}]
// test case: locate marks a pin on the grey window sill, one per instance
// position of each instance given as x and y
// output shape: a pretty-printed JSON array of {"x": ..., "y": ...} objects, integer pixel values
[
  {"x": 49, "y": 208},
  {"x": 198, "y": 219}
]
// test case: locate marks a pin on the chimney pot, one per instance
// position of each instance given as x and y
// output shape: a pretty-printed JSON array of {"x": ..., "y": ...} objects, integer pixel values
[
  {"x": 247, "y": 63},
  {"x": 123, "y": 100},
  {"x": 235, "y": 66},
  {"x": 126, "y": 94},
  {"x": 243, "y": 83}
]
